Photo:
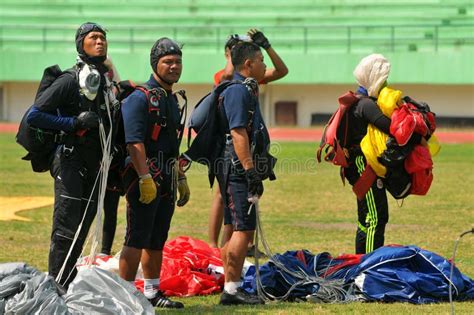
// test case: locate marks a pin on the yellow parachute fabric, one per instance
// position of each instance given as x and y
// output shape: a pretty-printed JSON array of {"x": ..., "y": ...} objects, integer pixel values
[
  {"x": 375, "y": 141},
  {"x": 388, "y": 100},
  {"x": 433, "y": 145},
  {"x": 373, "y": 144}
]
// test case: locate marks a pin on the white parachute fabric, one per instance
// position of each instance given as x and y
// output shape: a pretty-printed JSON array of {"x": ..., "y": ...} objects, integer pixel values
[
  {"x": 372, "y": 72},
  {"x": 95, "y": 290},
  {"x": 25, "y": 290}
]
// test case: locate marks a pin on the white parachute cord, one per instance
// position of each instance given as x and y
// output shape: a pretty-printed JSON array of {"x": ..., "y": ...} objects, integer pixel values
[
  {"x": 329, "y": 291},
  {"x": 94, "y": 234},
  {"x": 450, "y": 291},
  {"x": 347, "y": 292},
  {"x": 261, "y": 293},
  {"x": 106, "y": 146},
  {"x": 175, "y": 176},
  {"x": 76, "y": 235}
]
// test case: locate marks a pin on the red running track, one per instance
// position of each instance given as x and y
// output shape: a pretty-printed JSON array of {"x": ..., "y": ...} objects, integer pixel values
[{"x": 312, "y": 134}]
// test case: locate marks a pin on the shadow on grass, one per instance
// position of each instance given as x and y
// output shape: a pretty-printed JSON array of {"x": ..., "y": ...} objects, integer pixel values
[{"x": 272, "y": 308}]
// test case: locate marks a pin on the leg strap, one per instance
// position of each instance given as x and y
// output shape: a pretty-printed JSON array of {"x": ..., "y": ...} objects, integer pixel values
[{"x": 365, "y": 181}]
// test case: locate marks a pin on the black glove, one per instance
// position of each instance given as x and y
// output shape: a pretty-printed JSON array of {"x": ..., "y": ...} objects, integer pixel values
[
  {"x": 259, "y": 39},
  {"x": 86, "y": 120},
  {"x": 254, "y": 182}
]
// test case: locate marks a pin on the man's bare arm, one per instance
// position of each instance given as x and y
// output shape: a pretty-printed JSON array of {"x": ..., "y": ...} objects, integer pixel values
[{"x": 241, "y": 143}]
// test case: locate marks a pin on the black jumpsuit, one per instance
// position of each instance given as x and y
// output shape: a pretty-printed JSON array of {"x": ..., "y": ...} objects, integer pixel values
[
  {"x": 373, "y": 209},
  {"x": 74, "y": 170}
]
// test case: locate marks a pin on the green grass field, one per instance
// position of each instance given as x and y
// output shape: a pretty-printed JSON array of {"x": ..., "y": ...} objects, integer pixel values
[{"x": 307, "y": 207}]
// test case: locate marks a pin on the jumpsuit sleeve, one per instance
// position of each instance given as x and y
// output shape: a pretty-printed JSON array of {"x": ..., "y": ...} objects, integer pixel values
[
  {"x": 372, "y": 114},
  {"x": 44, "y": 120},
  {"x": 236, "y": 103},
  {"x": 135, "y": 117},
  {"x": 47, "y": 108}
]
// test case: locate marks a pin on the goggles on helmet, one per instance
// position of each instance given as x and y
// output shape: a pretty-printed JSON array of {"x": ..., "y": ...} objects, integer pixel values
[{"x": 90, "y": 27}]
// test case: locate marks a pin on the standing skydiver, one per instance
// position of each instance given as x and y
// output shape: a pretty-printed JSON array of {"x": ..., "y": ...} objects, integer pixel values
[{"x": 78, "y": 103}]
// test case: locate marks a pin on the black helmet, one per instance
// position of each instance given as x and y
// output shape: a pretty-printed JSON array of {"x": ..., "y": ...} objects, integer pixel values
[
  {"x": 81, "y": 33},
  {"x": 163, "y": 47}
]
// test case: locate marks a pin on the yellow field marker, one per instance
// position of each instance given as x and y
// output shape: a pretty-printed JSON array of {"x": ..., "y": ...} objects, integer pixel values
[{"x": 9, "y": 206}]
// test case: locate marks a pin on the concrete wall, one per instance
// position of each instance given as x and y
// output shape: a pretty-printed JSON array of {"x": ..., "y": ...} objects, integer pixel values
[
  {"x": 17, "y": 97},
  {"x": 445, "y": 100}
]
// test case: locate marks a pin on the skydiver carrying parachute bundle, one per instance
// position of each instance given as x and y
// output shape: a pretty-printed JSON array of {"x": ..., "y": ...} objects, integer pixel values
[{"x": 381, "y": 142}]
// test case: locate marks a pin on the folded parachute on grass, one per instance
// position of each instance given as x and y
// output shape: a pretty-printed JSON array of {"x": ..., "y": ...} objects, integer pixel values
[
  {"x": 25, "y": 290},
  {"x": 190, "y": 267},
  {"x": 409, "y": 274},
  {"x": 388, "y": 274}
]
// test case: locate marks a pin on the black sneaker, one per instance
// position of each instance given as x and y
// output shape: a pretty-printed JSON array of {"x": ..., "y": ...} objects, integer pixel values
[
  {"x": 251, "y": 252},
  {"x": 240, "y": 297},
  {"x": 162, "y": 301}
]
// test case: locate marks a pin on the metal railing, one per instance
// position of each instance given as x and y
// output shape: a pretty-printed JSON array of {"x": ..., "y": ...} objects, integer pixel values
[{"x": 304, "y": 39}]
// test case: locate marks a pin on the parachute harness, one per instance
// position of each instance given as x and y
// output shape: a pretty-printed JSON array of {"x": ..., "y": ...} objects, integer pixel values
[{"x": 101, "y": 178}]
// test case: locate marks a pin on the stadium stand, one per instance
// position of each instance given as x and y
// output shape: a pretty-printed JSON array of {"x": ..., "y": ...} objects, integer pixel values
[
  {"x": 305, "y": 25},
  {"x": 320, "y": 41}
]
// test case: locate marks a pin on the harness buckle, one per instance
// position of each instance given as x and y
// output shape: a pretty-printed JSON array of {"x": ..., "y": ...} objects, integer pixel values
[
  {"x": 163, "y": 122},
  {"x": 59, "y": 137},
  {"x": 68, "y": 150},
  {"x": 228, "y": 139}
]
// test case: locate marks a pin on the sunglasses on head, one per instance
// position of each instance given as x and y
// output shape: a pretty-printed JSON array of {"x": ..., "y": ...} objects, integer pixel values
[{"x": 238, "y": 37}]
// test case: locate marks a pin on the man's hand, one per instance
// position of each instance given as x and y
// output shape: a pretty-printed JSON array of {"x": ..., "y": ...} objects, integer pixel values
[
  {"x": 258, "y": 38},
  {"x": 254, "y": 182},
  {"x": 147, "y": 189},
  {"x": 86, "y": 120},
  {"x": 183, "y": 190}
]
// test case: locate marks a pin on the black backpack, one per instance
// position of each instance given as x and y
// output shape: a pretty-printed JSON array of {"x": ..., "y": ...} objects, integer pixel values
[
  {"x": 39, "y": 142},
  {"x": 209, "y": 142},
  {"x": 204, "y": 120}
]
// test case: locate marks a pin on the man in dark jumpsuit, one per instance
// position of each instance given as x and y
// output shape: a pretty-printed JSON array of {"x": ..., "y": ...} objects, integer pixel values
[
  {"x": 76, "y": 106},
  {"x": 278, "y": 71},
  {"x": 152, "y": 143},
  {"x": 371, "y": 74},
  {"x": 239, "y": 180}
]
